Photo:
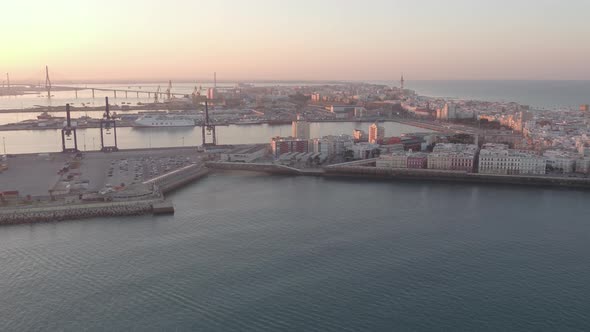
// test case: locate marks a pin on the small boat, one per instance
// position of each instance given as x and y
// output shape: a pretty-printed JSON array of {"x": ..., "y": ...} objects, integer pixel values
[{"x": 44, "y": 116}]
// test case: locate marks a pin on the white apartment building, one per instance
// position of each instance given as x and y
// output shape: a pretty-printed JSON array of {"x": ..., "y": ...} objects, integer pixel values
[
  {"x": 363, "y": 150},
  {"x": 394, "y": 160},
  {"x": 498, "y": 159},
  {"x": 560, "y": 161},
  {"x": 331, "y": 145}
]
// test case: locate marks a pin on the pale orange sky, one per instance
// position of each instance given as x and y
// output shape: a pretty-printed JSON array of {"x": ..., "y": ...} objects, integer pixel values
[{"x": 312, "y": 40}]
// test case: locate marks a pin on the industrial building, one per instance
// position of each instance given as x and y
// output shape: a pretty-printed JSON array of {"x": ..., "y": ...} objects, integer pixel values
[{"x": 245, "y": 154}]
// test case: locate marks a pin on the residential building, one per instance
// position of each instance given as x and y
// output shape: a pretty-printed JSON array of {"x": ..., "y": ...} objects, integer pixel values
[
  {"x": 560, "y": 161},
  {"x": 376, "y": 133},
  {"x": 498, "y": 159},
  {"x": 417, "y": 160},
  {"x": 281, "y": 145},
  {"x": 393, "y": 160},
  {"x": 300, "y": 128}
]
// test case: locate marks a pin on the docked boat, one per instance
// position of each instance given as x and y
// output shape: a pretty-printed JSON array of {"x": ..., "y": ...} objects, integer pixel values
[
  {"x": 44, "y": 116},
  {"x": 163, "y": 121}
]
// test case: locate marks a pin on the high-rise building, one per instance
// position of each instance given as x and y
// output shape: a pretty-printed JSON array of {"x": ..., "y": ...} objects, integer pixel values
[
  {"x": 300, "y": 128},
  {"x": 359, "y": 135},
  {"x": 211, "y": 93},
  {"x": 376, "y": 133},
  {"x": 448, "y": 112}
]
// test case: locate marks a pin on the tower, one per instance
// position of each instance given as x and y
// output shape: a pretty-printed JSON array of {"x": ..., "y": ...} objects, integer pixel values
[
  {"x": 402, "y": 82},
  {"x": 169, "y": 90},
  {"x": 47, "y": 82}
]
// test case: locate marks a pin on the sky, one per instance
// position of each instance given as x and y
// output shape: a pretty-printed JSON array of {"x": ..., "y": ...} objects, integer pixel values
[{"x": 101, "y": 40}]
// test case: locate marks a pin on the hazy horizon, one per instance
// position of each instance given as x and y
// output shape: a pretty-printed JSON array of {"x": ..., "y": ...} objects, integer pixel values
[{"x": 265, "y": 40}]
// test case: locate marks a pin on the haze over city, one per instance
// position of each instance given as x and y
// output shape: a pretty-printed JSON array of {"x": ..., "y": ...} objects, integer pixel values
[{"x": 295, "y": 40}]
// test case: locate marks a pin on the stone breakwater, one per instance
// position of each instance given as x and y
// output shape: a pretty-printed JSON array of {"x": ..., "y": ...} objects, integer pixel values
[{"x": 48, "y": 214}]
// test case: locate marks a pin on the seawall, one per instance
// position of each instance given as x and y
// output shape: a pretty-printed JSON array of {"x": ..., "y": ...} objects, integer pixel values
[
  {"x": 408, "y": 174},
  {"x": 455, "y": 176}
]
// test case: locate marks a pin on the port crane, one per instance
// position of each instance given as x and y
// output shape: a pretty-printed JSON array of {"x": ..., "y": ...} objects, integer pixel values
[
  {"x": 156, "y": 95},
  {"x": 106, "y": 123},
  {"x": 208, "y": 129},
  {"x": 67, "y": 132},
  {"x": 169, "y": 90}
]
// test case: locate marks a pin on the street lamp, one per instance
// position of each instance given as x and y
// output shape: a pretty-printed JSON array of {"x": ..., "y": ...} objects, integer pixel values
[{"x": 4, "y": 143}]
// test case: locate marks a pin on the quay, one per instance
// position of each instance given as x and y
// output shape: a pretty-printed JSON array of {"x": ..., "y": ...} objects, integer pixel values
[{"x": 53, "y": 187}]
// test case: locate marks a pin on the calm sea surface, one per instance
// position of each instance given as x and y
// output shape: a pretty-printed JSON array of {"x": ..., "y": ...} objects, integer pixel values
[{"x": 265, "y": 253}]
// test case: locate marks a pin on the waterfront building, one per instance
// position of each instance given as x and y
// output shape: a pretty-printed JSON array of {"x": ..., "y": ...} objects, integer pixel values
[
  {"x": 376, "y": 133},
  {"x": 498, "y": 159},
  {"x": 456, "y": 157},
  {"x": 584, "y": 149},
  {"x": 364, "y": 150},
  {"x": 330, "y": 146},
  {"x": 560, "y": 161},
  {"x": 417, "y": 160},
  {"x": 583, "y": 166},
  {"x": 393, "y": 160},
  {"x": 281, "y": 145},
  {"x": 300, "y": 128}
]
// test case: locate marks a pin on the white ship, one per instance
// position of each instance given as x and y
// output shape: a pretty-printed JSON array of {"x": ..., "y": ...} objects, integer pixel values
[{"x": 163, "y": 121}]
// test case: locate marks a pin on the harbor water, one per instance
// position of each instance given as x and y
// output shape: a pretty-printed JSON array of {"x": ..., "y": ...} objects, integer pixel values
[
  {"x": 36, "y": 141},
  {"x": 248, "y": 252}
]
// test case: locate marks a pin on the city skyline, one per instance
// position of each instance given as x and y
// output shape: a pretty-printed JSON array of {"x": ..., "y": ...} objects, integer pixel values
[{"x": 296, "y": 40}]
